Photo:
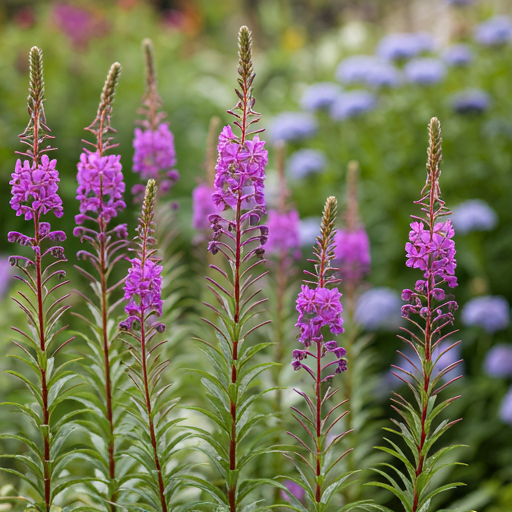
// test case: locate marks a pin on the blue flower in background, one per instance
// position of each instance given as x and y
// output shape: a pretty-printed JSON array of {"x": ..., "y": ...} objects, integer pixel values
[
  {"x": 367, "y": 70},
  {"x": 506, "y": 408},
  {"x": 494, "y": 32},
  {"x": 471, "y": 101},
  {"x": 498, "y": 362},
  {"x": 425, "y": 71},
  {"x": 309, "y": 229},
  {"x": 351, "y": 104},
  {"x": 379, "y": 309},
  {"x": 490, "y": 312},
  {"x": 292, "y": 126},
  {"x": 473, "y": 215},
  {"x": 458, "y": 55},
  {"x": 305, "y": 162},
  {"x": 400, "y": 46},
  {"x": 319, "y": 96}
]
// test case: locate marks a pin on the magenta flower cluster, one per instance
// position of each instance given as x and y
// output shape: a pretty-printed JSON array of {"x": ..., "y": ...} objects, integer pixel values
[
  {"x": 35, "y": 189},
  {"x": 352, "y": 253},
  {"x": 203, "y": 206},
  {"x": 100, "y": 186},
  {"x": 283, "y": 231},
  {"x": 143, "y": 290},
  {"x": 320, "y": 307},
  {"x": 435, "y": 255},
  {"x": 240, "y": 172},
  {"x": 155, "y": 154}
]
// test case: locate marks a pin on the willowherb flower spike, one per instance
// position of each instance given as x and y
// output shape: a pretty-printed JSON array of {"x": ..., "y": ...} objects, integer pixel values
[
  {"x": 237, "y": 234},
  {"x": 319, "y": 312},
  {"x": 352, "y": 243},
  {"x": 35, "y": 193},
  {"x": 430, "y": 310},
  {"x": 154, "y": 156},
  {"x": 153, "y": 448},
  {"x": 100, "y": 193}
]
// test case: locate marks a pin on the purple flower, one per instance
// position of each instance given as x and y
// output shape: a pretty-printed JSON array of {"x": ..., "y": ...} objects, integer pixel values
[
  {"x": 319, "y": 96},
  {"x": 100, "y": 186},
  {"x": 35, "y": 189},
  {"x": 378, "y": 309},
  {"x": 471, "y": 101},
  {"x": 352, "y": 104},
  {"x": 460, "y": 3},
  {"x": 506, "y": 407},
  {"x": 473, "y": 215},
  {"x": 305, "y": 162},
  {"x": 203, "y": 206},
  {"x": 424, "y": 71},
  {"x": 154, "y": 156},
  {"x": 240, "y": 172},
  {"x": 295, "y": 489},
  {"x": 495, "y": 31},
  {"x": 77, "y": 24},
  {"x": 367, "y": 70},
  {"x": 283, "y": 231},
  {"x": 399, "y": 46},
  {"x": 498, "y": 362},
  {"x": 439, "y": 246},
  {"x": 352, "y": 253},
  {"x": 293, "y": 126},
  {"x": 143, "y": 288},
  {"x": 458, "y": 55},
  {"x": 490, "y": 312}
]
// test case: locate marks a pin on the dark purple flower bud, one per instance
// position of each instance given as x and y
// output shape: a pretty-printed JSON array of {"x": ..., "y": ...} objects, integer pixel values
[
  {"x": 331, "y": 345},
  {"x": 340, "y": 352},
  {"x": 57, "y": 236},
  {"x": 299, "y": 354},
  {"x": 159, "y": 327},
  {"x": 57, "y": 252},
  {"x": 407, "y": 294},
  {"x": 213, "y": 247},
  {"x": 14, "y": 236},
  {"x": 173, "y": 175},
  {"x": 438, "y": 293},
  {"x": 342, "y": 366},
  {"x": 44, "y": 228}
]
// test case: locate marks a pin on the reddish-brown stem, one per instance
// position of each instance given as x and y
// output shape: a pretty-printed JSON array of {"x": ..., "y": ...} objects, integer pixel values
[
  {"x": 318, "y": 455},
  {"x": 42, "y": 346},
  {"x": 428, "y": 343}
]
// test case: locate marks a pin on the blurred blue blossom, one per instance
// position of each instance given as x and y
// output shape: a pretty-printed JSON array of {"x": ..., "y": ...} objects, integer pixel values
[
  {"x": 458, "y": 55},
  {"x": 351, "y": 104},
  {"x": 379, "y": 309},
  {"x": 490, "y": 312},
  {"x": 399, "y": 46},
  {"x": 309, "y": 229},
  {"x": 495, "y": 31},
  {"x": 471, "y": 101},
  {"x": 425, "y": 71},
  {"x": 498, "y": 362},
  {"x": 319, "y": 96},
  {"x": 292, "y": 126},
  {"x": 506, "y": 407},
  {"x": 367, "y": 70},
  {"x": 304, "y": 162},
  {"x": 473, "y": 215}
]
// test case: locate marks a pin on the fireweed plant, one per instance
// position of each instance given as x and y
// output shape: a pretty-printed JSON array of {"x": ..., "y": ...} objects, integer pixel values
[
  {"x": 430, "y": 310},
  {"x": 34, "y": 194},
  {"x": 100, "y": 192},
  {"x": 319, "y": 308},
  {"x": 283, "y": 247},
  {"x": 238, "y": 236},
  {"x": 153, "y": 446},
  {"x": 154, "y": 154},
  {"x": 352, "y": 256}
]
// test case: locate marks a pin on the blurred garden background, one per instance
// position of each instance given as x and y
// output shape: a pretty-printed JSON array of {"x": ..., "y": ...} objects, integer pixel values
[{"x": 336, "y": 80}]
